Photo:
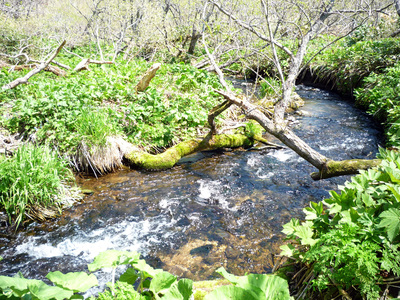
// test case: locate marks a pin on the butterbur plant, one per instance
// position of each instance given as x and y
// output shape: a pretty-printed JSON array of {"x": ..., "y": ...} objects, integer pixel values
[
  {"x": 352, "y": 238},
  {"x": 140, "y": 281}
]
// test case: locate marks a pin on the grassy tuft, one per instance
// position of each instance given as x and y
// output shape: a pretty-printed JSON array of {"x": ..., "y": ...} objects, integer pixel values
[{"x": 32, "y": 179}]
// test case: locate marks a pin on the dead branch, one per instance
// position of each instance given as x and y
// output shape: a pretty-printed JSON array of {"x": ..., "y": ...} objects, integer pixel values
[
  {"x": 84, "y": 64},
  {"x": 42, "y": 66},
  {"x": 147, "y": 77}
]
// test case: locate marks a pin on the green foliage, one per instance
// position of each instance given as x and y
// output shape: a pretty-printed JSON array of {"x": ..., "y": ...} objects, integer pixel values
[
  {"x": 95, "y": 125},
  {"x": 270, "y": 87},
  {"x": 354, "y": 238},
  {"x": 121, "y": 291},
  {"x": 252, "y": 286},
  {"x": 33, "y": 177},
  {"x": 151, "y": 283},
  {"x": 380, "y": 95},
  {"x": 345, "y": 66},
  {"x": 91, "y": 105},
  {"x": 77, "y": 282},
  {"x": 31, "y": 289}
]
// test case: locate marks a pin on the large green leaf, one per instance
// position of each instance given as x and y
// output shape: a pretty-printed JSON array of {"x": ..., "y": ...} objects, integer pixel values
[
  {"x": 19, "y": 286},
  {"x": 290, "y": 228},
  {"x": 232, "y": 278},
  {"x": 130, "y": 276},
  {"x": 147, "y": 270},
  {"x": 231, "y": 292},
  {"x": 181, "y": 290},
  {"x": 273, "y": 287},
  {"x": 287, "y": 250},
  {"x": 305, "y": 233},
  {"x": 112, "y": 259},
  {"x": 44, "y": 292},
  {"x": 78, "y": 282},
  {"x": 161, "y": 282},
  {"x": 391, "y": 221}
]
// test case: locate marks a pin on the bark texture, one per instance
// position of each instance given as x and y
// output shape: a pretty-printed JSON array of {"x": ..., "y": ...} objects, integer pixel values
[{"x": 167, "y": 159}]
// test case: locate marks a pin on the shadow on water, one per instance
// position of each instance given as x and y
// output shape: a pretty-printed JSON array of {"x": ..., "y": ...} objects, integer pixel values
[{"x": 213, "y": 209}]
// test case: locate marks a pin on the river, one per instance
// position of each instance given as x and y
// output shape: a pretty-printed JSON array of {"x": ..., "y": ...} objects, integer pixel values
[{"x": 221, "y": 208}]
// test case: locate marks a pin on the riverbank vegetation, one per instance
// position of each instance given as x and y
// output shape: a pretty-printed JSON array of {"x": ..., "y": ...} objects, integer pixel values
[{"x": 93, "y": 118}]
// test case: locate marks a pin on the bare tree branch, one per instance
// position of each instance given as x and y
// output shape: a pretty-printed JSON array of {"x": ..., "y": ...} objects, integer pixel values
[{"x": 24, "y": 80}]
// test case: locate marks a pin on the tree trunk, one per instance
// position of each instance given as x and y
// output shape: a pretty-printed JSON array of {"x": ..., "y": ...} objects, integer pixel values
[
  {"x": 327, "y": 168},
  {"x": 167, "y": 159}
]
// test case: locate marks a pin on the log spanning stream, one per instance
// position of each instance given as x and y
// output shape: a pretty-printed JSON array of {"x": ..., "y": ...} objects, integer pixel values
[{"x": 213, "y": 209}]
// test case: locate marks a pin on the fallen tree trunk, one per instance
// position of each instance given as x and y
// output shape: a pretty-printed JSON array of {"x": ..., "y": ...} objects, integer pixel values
[
  {"x": 327, "y": 168},
  {"x": 42, "y": 66},
  {"x": 335, "y": 168},
  {"x": 143, "y": 160},
  {"x": 84, "y": 64},
  {"x": 53, "y": 69}
]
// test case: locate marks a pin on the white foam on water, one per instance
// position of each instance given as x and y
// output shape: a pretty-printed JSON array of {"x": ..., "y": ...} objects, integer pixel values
[
  {"x": 282, "y": 155},
  {"x": 253, "y": 161},
  {"x": 328, "y": 148},
  {"x": 213, "y": 191},
  {"x": 204, "y": 189},
  {"x": 261, "y": 175},
  {"x": 126, "y": 235}
]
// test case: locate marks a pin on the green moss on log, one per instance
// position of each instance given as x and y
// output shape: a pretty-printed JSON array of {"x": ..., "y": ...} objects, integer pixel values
[
  {"x": 167, "y": 159},
  {"x": 345, "y": 167}
]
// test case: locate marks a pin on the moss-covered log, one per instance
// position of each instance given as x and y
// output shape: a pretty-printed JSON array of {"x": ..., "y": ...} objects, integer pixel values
[
  {"x": 344, "y": 167},
  {"x": 167, "y": 159}
]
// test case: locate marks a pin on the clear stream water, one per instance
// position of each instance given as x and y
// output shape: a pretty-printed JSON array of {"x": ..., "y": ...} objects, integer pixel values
[{"x": 213, "y": 209}]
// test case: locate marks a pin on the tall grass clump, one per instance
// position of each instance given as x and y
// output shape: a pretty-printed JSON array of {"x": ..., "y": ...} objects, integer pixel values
[
  {"x": 101, "y": 148},
  {"x": 33, "y": 183}
]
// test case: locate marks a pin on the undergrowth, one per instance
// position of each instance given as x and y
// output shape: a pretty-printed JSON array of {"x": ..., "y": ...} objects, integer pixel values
[
  {"x": 350, "y": 242},
  {"x": 141, "y": 282},
  {"x": 174, "y": 107}
]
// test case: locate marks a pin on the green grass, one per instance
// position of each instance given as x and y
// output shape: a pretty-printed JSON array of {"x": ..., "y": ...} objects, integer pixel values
[{"x": 34, "y": 177}]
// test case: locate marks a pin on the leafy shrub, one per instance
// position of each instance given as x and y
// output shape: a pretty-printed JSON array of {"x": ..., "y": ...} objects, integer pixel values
[
  {"x": 140, "y": 282},
  {"x": 356, "y": 238},
  {"x": 95, "y": 125},
  {"x": 380, "y": 95},
  {"x": 151, "y": 283},
  {"x": 270, "y": 87}
]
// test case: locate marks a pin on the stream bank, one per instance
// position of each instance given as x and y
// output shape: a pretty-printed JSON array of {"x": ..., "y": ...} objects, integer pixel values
[{"x": 218, "y": 208}]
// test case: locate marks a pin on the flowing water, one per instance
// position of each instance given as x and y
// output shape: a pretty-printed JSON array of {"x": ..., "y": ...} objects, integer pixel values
[{"x": 213, "y": 209}]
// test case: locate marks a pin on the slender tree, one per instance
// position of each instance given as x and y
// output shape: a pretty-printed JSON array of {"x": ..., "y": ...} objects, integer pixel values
[{"x": 299, "y": 22}]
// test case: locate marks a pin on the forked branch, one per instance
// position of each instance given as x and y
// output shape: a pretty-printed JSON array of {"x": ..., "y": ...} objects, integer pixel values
[{"x": 43, "y": 65}]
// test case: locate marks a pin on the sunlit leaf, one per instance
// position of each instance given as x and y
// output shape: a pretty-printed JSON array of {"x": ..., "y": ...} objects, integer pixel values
[
  {"x": 391, "y": 221},
  {"x": 229, "y": 293},
  {"x": 44, "y": 292},
  {"x": 112, "y": 259},
  {"x": 161, "y": 282},
  {"x": 130, "y": 276},
  {"x": 74, "y": 281}
]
